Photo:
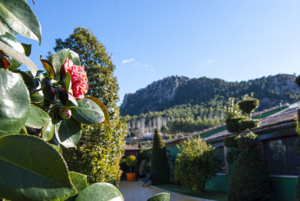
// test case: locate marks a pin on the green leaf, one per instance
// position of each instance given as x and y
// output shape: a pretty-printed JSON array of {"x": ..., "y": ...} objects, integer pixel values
[
  {"x": 87, "y": 112},
  {"x": 37, "y": 118},
  {"x": 14, "y": 102},
  {"x": 11, "y": 41},
  {"x": 30, "y": 169},
  {"x": 48, "y": 67},
  {"x": 19, "y": 16},
  {"x": 48, "y": 90},
  {"x": 160, "y": 197},
  {"x": 75, "y": 58},
  {"x": 5, "y": 28},
  {"x": 27, "y": 49},
  {"x": 100, "y": 192},
  {"x": 79, "y": 181},
  {"x": 67, "y": 131},
  {"x": 19, "y": 57},
  {"x": 67, "y": 81},
  {"x": 59, "y": 58},
  {"x": 103, "y": 108},
  {"x": 48, "y": 132}
]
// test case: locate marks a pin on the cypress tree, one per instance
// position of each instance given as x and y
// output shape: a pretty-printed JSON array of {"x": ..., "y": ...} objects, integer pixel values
[{"x": 160, "y": 169}]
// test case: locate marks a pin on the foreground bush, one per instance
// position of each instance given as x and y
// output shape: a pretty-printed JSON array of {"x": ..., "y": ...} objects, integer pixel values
[
  {"x": 160, "y": 169},
  {"x": 250, "y": 177},
  {"x": 195, "y": 164}
]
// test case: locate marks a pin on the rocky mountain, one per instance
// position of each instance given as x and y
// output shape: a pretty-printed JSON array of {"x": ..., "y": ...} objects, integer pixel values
[{"x": 175, "y": 90}]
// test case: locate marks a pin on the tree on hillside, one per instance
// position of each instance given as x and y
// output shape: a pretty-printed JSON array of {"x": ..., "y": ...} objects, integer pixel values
[
  {"x": 101, "y": 146},
  {"x": 160, "y": 169}
]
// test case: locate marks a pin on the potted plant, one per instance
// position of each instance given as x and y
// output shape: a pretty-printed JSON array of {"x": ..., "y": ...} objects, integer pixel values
[{"x": 130, "y": 161}]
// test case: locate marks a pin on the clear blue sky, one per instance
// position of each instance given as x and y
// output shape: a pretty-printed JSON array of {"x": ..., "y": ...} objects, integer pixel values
[{"x": 151, "y": 39}]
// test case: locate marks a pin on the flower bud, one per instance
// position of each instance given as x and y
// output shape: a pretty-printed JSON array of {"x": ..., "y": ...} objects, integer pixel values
[{"x": 65, "y": 113}]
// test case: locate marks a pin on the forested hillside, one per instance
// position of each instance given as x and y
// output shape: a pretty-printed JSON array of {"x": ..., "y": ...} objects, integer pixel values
[{"x": 193, "y": 104}]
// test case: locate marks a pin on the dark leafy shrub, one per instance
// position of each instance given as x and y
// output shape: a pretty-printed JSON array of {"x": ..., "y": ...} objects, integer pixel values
[
  {"x": 233, "y": 124},
  {"x": 249, "y": 105},
  {"x": 248, "y": 141},
  {"x": 297, "y": 146},
  {"x": 232, "y": 155},
  {"x": 248, "y": 124},
  {"x": 231, "y": 142},
  {"x": 250, "y": 177},
  {"x": 195, "y": 164},
  {"x": 160, "y": 169}
]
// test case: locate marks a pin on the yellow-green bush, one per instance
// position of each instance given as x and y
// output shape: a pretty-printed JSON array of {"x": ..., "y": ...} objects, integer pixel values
[{"x": 195, "y": 164}]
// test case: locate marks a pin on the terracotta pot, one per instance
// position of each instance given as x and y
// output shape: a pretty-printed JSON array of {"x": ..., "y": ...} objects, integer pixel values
[{"x": 130, "y": 176}]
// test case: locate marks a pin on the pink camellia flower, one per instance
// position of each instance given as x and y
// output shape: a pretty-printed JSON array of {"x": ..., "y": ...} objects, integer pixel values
[{"x": 78, "y": 78}]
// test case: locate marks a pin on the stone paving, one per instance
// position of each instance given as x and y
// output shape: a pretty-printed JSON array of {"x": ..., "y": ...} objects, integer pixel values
[{"x": 134, "y": 191}]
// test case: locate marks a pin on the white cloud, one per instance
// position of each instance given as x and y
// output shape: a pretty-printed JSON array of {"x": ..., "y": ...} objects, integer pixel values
[
  {"x": 152, "y": 69},
  {"x": 209, "y": 61},
  {"x": 128, "y": 61}
]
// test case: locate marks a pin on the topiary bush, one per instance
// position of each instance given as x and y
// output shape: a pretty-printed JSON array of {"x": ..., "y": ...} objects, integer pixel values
[
  {"x": 248, "y": 124},
  {"x": 250, "y": 177},
  {"x": 231, "y": 142},
  {"x": 160, "y": 170},
  {"x": 232, "y": 155},
  {"x": 195, "y": 164}
]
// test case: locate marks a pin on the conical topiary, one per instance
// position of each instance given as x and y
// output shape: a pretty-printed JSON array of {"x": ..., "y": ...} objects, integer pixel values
[{"x": 160, "y": 170}]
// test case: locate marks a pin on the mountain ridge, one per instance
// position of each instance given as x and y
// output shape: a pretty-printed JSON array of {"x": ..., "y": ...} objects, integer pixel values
[{"x": 211, "y": 92}]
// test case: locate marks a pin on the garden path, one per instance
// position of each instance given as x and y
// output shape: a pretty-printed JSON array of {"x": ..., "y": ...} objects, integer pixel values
[{"x": 134, "y": 191}]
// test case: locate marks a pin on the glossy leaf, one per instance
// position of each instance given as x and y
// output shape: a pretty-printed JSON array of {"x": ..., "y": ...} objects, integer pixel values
[
  {"x": 5, "y": 28},
  {"x": 27, "y": 49},
  {"x": 103, "y": 108},
  {"x": 87, "y": 112},
  {"x": 75, "y": 58},
  {"x": 28, "y": 80},
  {"x": 67, "y": 82},
  {"x": 19, "y": 57},
  {"x": 11, "y": 41},
  {"x": 14, "y": 102},
  {"x": 67, "y": 131},
  {"x": 48, "y": 132},
  {"x": 37, "y": 96},
  {"x": 79, "y": 181},
  {"x": 19, "y": 16},
  {"x": 48, "y": 67},
  {"x": 160, "y": 197},
  {"x": 48, "y": 90},
  {"x": 59, "y": 58},
  {"x": 37, "y": 118},
  {"x": 100, "y": 192},
  {"x": 30, "y": 169}
]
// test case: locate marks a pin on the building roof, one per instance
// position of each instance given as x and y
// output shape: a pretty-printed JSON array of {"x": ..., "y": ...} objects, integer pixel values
[
  {"x": 131, "y": 148},
  {"x": 280, "y": 120}
]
